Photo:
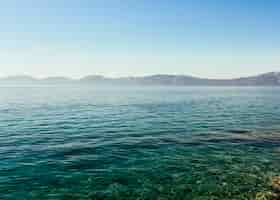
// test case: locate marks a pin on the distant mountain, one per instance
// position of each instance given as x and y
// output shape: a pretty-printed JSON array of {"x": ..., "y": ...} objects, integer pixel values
[
  {"x": 18, "y": 79},
  {"x": 267, "y": 79},
  {"x": 92, "y": 78},
  {"x": 56, "y": 80},
  {"x": 31, "y": 80}
]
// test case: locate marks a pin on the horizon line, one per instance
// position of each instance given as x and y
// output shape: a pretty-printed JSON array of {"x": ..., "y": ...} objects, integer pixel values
[{"x": 136, "y": 76}]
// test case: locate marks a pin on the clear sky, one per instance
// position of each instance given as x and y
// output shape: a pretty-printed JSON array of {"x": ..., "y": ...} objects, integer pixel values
[{"x": 207, "y": 38}]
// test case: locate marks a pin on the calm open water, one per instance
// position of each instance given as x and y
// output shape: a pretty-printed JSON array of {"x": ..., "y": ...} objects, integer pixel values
[{"x": 85, "y": 143}]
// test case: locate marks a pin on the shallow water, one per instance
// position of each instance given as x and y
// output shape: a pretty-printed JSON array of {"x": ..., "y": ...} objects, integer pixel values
[{"x": 81, "y": 142}]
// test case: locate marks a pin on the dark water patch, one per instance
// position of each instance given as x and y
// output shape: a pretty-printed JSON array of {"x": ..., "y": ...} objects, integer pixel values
[
  {"x": 238, "y": 131},
  {"x": 71, "y": 151}
]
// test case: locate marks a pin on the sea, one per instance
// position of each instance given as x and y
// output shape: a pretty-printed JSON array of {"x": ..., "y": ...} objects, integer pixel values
[{"x": 88, "y": 142}]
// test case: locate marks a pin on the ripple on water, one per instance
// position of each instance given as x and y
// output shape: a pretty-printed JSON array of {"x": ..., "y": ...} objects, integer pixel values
[{"x": 184, "y": 143}]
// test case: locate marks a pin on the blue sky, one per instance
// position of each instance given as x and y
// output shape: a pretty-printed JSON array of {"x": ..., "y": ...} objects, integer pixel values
[{"x": 208, "y": 38}]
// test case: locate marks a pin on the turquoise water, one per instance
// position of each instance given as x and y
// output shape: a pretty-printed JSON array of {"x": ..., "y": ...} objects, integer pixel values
[{"x": 87, "y": 143}]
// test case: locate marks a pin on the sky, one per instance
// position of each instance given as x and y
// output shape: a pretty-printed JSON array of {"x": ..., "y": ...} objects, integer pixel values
[{"x": 205, "y": 38}]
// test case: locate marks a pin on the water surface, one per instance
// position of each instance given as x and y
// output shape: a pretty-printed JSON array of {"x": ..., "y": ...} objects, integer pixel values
[{"x": 82, "y": 142}]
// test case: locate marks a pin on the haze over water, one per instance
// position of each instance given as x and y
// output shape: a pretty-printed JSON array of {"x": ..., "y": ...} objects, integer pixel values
[{"x": 84, "y": 142}]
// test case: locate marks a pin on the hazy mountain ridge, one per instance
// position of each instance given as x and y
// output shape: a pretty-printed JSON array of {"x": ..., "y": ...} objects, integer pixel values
[{"x": 267, "y": 79}]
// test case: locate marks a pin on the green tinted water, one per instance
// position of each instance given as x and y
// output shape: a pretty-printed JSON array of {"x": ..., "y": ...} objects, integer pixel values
[{"x": 138, "y": 143}]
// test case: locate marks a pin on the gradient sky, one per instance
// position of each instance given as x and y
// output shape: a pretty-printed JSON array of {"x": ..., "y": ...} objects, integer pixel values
[{"x": 207, "y": 38}]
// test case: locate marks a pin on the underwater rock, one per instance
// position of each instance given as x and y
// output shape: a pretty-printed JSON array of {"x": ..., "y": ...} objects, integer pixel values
[
  {"x": 275, "y": 184},
  {"x": 267, "y": 196},
  {"x": 271, "y": 195}
]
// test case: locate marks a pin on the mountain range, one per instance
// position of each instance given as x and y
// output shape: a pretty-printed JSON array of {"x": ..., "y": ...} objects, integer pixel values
[{"x": 267, "y": 79}]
